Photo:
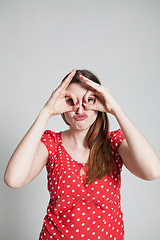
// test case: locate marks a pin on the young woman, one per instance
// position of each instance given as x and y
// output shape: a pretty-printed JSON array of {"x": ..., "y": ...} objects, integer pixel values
[{"x": 84, "y": 163}]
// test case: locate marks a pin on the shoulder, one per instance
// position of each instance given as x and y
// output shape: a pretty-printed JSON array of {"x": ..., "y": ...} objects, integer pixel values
[
  {"x": 50, "y": 135},
  {"x": 116, "y": 137},
  {"x": 51, "y": 140}
]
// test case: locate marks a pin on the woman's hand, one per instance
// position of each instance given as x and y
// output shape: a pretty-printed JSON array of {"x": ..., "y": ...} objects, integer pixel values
[
  {"x": 57, "y": 103},
  {"x": 103, "y": 102}
]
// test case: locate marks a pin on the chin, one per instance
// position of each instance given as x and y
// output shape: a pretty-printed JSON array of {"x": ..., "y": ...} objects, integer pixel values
[{"x": 81, "y": 126}]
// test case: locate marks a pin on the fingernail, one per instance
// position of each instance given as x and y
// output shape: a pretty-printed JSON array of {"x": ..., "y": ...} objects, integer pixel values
[
  {"x": 76, "y": 103},
  {"x": 84, "y": 101}
]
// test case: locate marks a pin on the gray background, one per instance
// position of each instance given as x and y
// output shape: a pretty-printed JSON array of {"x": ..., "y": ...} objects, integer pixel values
[{"x": 41, "y": 41}]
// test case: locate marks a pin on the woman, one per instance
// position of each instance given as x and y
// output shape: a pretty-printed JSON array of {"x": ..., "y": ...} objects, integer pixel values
[{"x": 84, "y": 162}]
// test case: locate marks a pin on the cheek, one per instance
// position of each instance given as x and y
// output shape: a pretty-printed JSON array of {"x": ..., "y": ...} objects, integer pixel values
[
  {"x": 93, "y": 114},
  {"x": 68, "y": 116}
]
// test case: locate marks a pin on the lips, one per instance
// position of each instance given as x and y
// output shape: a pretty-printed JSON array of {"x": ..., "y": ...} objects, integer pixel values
[{"x": 80, "y": 117}]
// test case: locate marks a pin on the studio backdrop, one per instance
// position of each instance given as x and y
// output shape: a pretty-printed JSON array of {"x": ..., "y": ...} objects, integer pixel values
[{"x": 41, "y": 41}]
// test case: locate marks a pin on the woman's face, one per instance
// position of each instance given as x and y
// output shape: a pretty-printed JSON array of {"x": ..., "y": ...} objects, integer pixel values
[{"x": 81, "y": 118}]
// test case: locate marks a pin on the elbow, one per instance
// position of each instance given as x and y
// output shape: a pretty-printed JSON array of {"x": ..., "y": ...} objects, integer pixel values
[
  {"x": 11, "y": 183},
  {"x": 153, "y": 174}
]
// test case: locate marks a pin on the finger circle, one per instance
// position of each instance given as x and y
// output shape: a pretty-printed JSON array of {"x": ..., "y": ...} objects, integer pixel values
[{"x": 69, "y": 95}]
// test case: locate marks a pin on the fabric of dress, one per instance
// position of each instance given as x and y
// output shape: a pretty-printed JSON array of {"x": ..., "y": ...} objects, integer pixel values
[{"x": 77, "y": 210}]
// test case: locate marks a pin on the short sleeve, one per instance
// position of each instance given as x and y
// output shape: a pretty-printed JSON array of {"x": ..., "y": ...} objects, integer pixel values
[
  {"x": 116, "y": 138},
  {"x": 49, "y": 140}
]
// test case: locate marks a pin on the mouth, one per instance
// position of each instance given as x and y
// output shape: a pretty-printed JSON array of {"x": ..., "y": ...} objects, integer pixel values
[{"x": 81, "y": 117}]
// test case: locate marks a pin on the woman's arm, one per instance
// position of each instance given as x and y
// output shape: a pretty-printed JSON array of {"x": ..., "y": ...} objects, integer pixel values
[
  {"x": 30, "y": 149},
  {"x": 136, "y": 152},
  {"x": 31, "y": 155}
]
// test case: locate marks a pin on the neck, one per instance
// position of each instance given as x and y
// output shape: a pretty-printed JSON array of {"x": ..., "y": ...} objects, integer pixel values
[{"x": 78, "y": 137}]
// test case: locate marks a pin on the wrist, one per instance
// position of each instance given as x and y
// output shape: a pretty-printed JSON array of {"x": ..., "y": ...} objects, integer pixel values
[
  {"x": 44, "y": 113},
  {"x": 116, "y": 110}
]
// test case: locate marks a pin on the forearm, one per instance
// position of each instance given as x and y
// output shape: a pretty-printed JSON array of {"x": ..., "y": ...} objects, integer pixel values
[
  {"x": 22, "y": 159},
  {"x": 142, "y": 155}
]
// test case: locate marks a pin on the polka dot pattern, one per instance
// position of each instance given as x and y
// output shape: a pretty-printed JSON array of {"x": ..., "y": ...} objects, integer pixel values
[{"x": 77, "y": 210}]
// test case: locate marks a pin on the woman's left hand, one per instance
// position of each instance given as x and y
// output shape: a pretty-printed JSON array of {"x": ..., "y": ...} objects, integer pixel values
[{"x": 104, "y": 101}]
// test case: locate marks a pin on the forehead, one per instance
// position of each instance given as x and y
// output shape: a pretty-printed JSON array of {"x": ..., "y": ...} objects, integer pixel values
[{"x": 78, "y": 88}]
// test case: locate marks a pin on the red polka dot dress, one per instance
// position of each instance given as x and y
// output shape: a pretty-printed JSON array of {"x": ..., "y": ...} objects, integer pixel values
[{"x": 77, "y": 210}]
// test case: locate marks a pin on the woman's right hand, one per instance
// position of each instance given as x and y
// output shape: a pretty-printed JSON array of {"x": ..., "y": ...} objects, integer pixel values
[{"x": 57, "y": 103}]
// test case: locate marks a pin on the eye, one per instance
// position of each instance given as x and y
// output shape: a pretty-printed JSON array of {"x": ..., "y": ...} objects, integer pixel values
[
  {"x": 70, "y": 101},
  {"x": 91, "y": 100}
]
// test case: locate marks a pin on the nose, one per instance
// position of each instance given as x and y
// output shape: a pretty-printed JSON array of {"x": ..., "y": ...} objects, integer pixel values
[{"x": 79, "y": 108}]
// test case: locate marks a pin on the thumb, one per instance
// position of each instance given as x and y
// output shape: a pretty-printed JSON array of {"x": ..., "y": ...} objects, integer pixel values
[{"x": 88, "y": 106}]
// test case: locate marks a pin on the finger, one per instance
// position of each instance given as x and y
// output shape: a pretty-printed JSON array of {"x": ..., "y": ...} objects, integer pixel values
[
  {"x": 90, "y": 83},
  {"x": 68, "y": 79},
  {"x": 89, "y": 100},
  {"x": 69, "y": 109},
  {"x": 69, "y": 95},
  {"x": 90, "y": 106},
  {"x": 89, "y": 94}
]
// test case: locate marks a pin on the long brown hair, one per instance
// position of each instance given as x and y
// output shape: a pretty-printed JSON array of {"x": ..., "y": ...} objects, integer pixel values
[{"x": 100, "y": 160}]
